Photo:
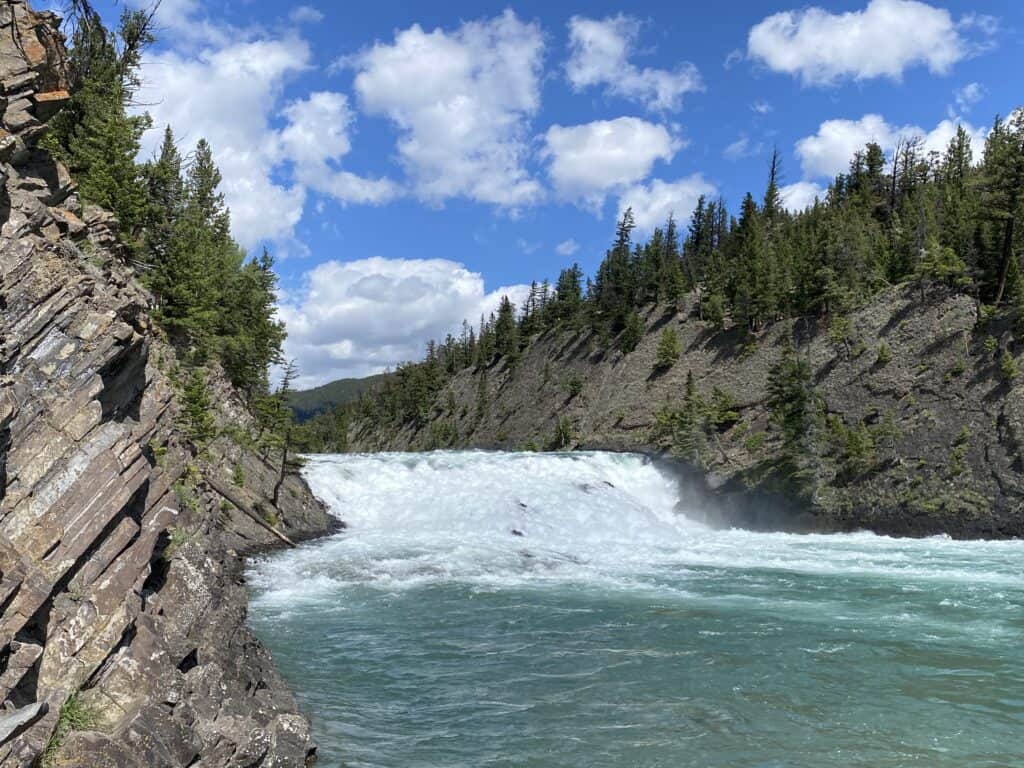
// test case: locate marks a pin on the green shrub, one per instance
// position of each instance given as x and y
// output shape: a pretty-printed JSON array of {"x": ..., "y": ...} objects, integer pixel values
[
  {"x": 884, "y": 354},
  {"x": 754, "y": 442},
  {"x": 574, "y": 385},
  {"x": 563, "y": 436},
  {"x": 1007, "y": 366},
  {"x": 74, "y": 716}
]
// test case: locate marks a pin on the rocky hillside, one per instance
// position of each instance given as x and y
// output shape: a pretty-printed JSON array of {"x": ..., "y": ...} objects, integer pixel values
[
  {"x": 920, "y": 426},
  {"x": 122, "y": 603}
]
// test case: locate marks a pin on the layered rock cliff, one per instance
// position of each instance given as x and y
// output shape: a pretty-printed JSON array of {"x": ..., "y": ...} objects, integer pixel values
[
  {"x": 920, "y": 431},
  {"x": 122, "y": 602}
]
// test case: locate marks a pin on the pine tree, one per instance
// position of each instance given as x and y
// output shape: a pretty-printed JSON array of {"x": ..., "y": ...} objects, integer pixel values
[
  {"x": 794, "y": 403},
  {"x": 632, "y": 333},
  {"x": 1003, "y": 175},
  {"x": 506, "y": 333},
  {"x": 94, "y": 134},
  {"x": 250, "y": 336},
  {"x": 166, "y": 196},
  {"x": 668, "y": 349},
  {"x": 200, "y": 260}
]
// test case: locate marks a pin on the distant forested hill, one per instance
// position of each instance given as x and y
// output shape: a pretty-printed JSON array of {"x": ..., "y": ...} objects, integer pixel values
[{"x": 308, "y": 403}]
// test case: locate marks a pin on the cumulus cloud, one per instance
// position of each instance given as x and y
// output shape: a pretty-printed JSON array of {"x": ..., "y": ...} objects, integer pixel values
[
  {"x": 228, "y": 95},
  {"x": 317, "y": 138},
  {"x": 227, "y": 85},
  {"x": 829, "y": 151},
  {"x": 653, "y": 203},
  {"x": 798, "y": 196},
  {"x": 587, "y": 161},
  {"x": 359, "y": 317},
  {"x": 567, "y": 247},
  {"x": 599, "y": 56},
  {"x": 882, "y": 40},
  {"x": 761, "y": 107},
  {"x": 462, "y": 101}
]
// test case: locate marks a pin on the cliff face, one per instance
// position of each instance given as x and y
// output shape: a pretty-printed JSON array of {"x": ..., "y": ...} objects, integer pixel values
[
  {"x": 920, "y": 438},
  {"x": 122, "y": 604}
]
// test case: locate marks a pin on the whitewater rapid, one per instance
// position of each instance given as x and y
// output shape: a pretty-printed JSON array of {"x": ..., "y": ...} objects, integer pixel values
[
  {"x": 607, "y": 520},
  {"x": 551, "y": 610}
]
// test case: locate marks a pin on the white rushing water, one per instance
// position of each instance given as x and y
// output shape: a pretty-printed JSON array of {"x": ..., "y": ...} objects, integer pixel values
[
  {"x": 601, "y": 518},
  {"x": 546, "y": 610}
]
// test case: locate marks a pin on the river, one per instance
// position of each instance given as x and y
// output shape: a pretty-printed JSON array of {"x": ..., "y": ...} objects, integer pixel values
[{"x": 503, "y": 609}]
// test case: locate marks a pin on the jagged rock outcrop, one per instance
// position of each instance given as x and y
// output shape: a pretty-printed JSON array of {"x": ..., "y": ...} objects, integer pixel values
[
  {"x": 122, "y": 601},
  {"x": 924, "y": 438}
]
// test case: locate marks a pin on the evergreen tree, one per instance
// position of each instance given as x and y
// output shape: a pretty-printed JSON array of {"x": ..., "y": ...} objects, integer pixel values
[
  {"x": 632, "y": 333},
  {"x": 668, "y": 349},
  {"x": 1003, "y": 179},
  {"x": 506, "y": 333},
  {"x": 794, "y": 404},
  {"x": 250, "y": 336},
  {"x": 166, "y": 197}
]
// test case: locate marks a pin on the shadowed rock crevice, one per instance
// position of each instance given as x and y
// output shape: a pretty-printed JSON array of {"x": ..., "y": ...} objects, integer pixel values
[{"x": 124, "y": 383}]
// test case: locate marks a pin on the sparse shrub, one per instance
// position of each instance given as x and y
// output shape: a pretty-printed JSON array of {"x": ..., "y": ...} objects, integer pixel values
[
  {"x": 74, "y": 716},
  {"x": 443, "y": 434},
  {"x": 563, "y": 436},
  {"x": 754, "y": 442},
  {"x": 574, "y": 385},
  {"x": 1007, "y": 366},
  {"x": 884, "y": 354},
  {"x": 238, "y": 475}
]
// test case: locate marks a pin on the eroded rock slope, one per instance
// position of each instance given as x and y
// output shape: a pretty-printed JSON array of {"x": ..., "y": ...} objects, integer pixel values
[
  {"x": 122, "y": 604},
  {"x": 921, "y": 430}
]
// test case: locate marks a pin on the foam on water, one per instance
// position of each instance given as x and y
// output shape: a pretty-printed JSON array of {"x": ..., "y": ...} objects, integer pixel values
[
  {"x": 600, "y": 519},
  {"x": 562, "y": 609}
]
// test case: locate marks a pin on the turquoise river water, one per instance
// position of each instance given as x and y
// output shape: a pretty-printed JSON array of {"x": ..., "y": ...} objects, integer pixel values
[{"x": 488, "y": 609}]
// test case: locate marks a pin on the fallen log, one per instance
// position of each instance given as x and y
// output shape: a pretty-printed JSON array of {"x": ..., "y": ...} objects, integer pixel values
[{"x": 245, "y": 506}]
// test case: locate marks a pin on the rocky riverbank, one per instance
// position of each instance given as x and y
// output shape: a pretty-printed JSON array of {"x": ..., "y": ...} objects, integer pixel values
[
  {"x": 920, "y": 430},
  {"x": 122, "y": 602}
]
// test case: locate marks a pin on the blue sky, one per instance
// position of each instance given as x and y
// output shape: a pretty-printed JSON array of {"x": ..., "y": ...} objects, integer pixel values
[{"x": 408, "y": 162}]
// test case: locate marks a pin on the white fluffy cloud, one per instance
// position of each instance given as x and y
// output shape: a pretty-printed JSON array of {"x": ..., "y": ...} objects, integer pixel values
[
  {"x": 653, "y": 203},
  {"x": 316, "y": 138},
  {"x": 360, "y": 317},
  {"x": 226, "y": 85},
  {"x": 882, "y": 40},
  {"x": 599, "y": 56},
  {"x": 228, "y": 95},
  {"x": 800, "y": 195},
  {"x": 462, "y": 101},
  {"x": 830, "y": 150},
  {"x": 588, "y": 161},
  {"x": 567, "y": 247}
]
